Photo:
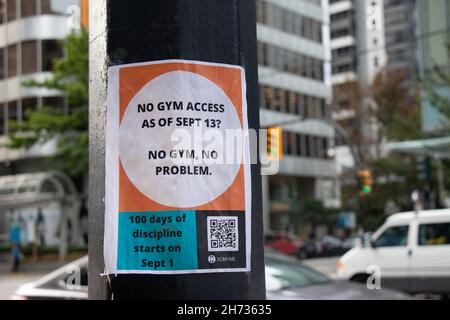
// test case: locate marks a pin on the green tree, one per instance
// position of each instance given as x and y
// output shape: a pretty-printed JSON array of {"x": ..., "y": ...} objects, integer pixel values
[
  {"x": 391, "y": 103},
  {"x": 398, "y": 108},
  {"x": 70, "y": 77}
]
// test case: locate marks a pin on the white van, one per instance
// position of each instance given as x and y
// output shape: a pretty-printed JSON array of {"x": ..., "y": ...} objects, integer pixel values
[{"x": 411, "y": 250}]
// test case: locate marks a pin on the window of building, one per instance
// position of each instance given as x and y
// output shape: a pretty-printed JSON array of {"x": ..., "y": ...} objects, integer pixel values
[
  {"x": 53, "y": 6},
  {"x": 339, "y": 16},
  {"x": 2, "y": 11},
  {"x": 298, "y": 145},
  {"x": 278, "y": 101},
  {"x": 28, "y": 8},
  {"x": 294, "y": 103},
  {"x": 322, "y": 148},
  {"x": 261, "y": 12},
  {"x": 295, "y": 145},
  {"x": 51, "y": 50},
  {"x": 13, "y": 112},
  {"x": 29, "y": 57},
  {"x": 340, "y": 33},
  {"x": 260, "y": 53},
  {"x": 262, "y": 100},
  {"x": 310, "y": 106},
  {"x": 12, "y": 10},
  {"x": 288, "y": 21},
  {"x": 2, "y": 118},
  {"x": 2, "y": 63},
  {"x": 269, "y": 97},
  {"x": 307, "y": 146},
  {"x": 303, "y": 106},
  {"x": 434, "y": 234},
  {"x": 287, "y": 102},
  {"x": 314, "y": 147},
  {"x": 12, "y": 60},
  {"x": 287, "y": 143},
  {"x": 290, "y": 61}
]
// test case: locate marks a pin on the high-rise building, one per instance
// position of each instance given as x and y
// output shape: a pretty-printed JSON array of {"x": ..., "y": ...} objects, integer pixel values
[
  {"x": 295, "y": 82},
  {"x": 401, "y": 33},
  {"x": 358, "y": 54},
  {"x": 30, "y": 34},
  {"x": 357, "y": 40},
  {"x": 434, "y": 52},
  {"x": 30, "y": 31}
]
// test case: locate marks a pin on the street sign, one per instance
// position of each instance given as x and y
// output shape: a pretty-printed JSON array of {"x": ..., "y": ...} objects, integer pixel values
[{"x": 177, "y": 193}]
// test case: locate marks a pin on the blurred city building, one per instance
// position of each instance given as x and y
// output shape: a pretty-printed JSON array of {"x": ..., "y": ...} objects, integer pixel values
[
  {"x": 434, "y": 52},
  {"x": 433, "y": 44},
  {"x": 30, "y": 31},
  {"x": 357, "y": 40},
  {"x": 295, "y": 82},
  {"x": 423, "y": 42},
  {"x": 358, "y": 53},
  {"x": 401, "y": 22}
]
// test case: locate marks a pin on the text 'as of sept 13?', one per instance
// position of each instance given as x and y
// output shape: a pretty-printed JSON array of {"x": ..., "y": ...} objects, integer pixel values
[{"x": 180, "y": 122}]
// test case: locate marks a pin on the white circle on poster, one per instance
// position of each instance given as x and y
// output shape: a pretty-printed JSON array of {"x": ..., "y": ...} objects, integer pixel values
[{"x": 167, "y": 162}]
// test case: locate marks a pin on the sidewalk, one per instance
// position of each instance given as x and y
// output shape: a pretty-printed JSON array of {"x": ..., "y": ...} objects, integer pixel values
[{"x": 42, "y": 265}]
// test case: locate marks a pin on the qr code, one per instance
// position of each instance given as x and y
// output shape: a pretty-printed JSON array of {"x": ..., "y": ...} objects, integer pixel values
[{"x": 223, "y": 234}]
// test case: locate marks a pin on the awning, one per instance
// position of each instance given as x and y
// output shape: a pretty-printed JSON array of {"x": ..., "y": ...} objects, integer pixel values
[
  {"x": 434, "y": 147},
  {"x": 30, "y": 189}
]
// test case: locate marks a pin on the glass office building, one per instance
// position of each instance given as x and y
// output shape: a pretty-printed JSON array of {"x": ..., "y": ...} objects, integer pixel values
[
  {"x": 401, "y": 32},
  {"x": 434, "y": 51}
]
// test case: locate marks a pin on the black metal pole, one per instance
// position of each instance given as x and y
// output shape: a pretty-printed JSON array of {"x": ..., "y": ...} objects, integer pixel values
[{"x": 221, "y": 31}]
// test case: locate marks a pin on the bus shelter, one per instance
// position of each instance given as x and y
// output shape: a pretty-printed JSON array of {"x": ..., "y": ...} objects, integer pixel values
[{"x": 46, "y": 205}]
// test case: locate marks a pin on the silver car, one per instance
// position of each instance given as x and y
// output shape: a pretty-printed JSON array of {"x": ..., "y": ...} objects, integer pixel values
[{"x": 286, "y": 279}]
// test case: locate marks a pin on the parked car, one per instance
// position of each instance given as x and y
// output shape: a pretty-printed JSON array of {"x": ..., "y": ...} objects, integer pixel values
[
  {"x": 286, "y": 279},
  {"x": 54, "y": 286},
  {"x": 411, "y": 250},
  {"x": 351, "y": 242},
  {"x": 283, "y": 242},
  {"x": 327, "y": 246}
]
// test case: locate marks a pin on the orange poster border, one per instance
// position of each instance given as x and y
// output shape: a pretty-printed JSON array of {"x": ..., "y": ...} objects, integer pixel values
[{"x": 134, "y": 78}]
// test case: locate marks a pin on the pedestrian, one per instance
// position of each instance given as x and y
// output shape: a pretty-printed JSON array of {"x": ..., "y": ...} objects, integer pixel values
[
  {"x": 16, "y": 255},
  {"x": 40, "y": 228},
  {"x": 14, "y": 236}
]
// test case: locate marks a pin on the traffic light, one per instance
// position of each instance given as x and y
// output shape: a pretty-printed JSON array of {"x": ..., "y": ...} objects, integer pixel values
[
  {"x": 275, "y": 143},
  {"x": 366, "y": 182},
  {"x": 424, "y": 171}
]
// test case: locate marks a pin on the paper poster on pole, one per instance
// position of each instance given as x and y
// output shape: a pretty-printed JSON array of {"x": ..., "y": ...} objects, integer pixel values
[{"x": 178, "y": 184}]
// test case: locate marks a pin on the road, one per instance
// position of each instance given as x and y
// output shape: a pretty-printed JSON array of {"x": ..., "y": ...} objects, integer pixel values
[
  {"x": 9, "y": 282},
  {"x": 324, "y": 265}
]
